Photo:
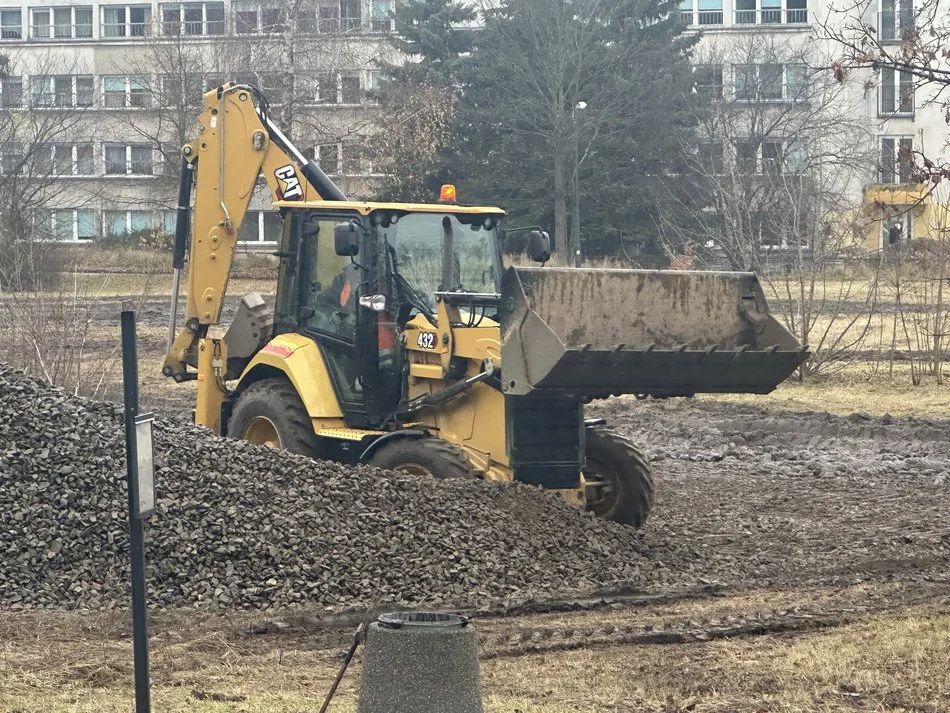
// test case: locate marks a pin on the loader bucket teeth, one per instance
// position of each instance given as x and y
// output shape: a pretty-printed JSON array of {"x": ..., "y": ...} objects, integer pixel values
[{"x": 663, "y": 333}]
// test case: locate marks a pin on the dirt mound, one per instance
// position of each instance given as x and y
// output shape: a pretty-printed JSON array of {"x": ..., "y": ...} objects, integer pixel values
[
  {"x": 243, "y": 526},
  {"x": 746, "y": 498}
]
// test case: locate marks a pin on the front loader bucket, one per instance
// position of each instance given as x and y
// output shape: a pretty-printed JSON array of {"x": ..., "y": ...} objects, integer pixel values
[{"x": 592, "y": 332}]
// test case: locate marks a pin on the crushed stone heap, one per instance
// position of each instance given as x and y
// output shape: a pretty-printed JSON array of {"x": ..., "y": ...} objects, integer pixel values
[{"x": 241, "y": 526}]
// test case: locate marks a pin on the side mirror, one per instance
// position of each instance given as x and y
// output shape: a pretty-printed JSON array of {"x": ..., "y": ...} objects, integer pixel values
[
  {"x": 346, "y": 239},
  {"x": 539, "y": 246}
]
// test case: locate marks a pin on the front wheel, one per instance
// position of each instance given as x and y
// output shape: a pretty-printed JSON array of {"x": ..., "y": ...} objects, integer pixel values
[
  {"x": 618, "y": 477},
  {"x": 270, "y": 413},
  {"x": 423, "y": 456}
]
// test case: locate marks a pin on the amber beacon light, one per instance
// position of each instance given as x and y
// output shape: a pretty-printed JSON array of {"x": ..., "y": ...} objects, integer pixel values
[{"x": 447, "y": 194}]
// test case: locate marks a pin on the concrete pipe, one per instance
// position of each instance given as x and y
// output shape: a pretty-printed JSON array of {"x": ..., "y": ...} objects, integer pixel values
[{"x": 420, "y": 662}]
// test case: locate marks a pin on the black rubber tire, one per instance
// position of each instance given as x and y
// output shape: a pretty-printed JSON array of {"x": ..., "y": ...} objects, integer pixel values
[
  {"x": 617, "y": 460},
  {"x": 424, "y": 456},
  {"x": 277, "y": 401}
]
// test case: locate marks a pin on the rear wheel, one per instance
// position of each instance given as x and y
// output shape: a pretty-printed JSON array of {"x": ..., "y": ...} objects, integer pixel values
[
  {"x": 618, "y": 477},
  {"x": 424, "y": 456},
  {"x": 270, "y": 413}
]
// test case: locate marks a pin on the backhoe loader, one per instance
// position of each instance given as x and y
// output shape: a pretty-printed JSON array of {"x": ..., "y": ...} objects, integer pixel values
[{"x": 400, "y": 338}]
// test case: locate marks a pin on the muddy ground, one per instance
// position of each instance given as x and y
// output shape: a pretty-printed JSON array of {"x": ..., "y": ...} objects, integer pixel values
[
  {"x": 762, "y": 498},
  {"x": 756, "y": 510}
]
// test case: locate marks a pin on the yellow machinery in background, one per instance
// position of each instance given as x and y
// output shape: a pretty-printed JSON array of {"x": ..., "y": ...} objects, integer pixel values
[{"x": 400, "y": 338}]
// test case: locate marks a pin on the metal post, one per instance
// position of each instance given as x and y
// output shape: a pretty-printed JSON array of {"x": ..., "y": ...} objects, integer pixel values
[
  {"x": 130, "y": 379},
  {"x": 576, "y": 215}
]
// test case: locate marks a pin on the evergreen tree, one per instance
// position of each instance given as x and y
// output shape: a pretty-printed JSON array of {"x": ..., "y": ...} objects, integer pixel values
[{"x": 553, "y": 94}]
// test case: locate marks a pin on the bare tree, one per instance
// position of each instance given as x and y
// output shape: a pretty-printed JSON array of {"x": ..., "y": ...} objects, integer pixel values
[
  {"x": 411, "y": 131},
  {"x": 310, "y": 66},
  {"x": 44, "y": 135},
  {"x": 905, "y": 45},
  {"x": 772, "y": 187}
]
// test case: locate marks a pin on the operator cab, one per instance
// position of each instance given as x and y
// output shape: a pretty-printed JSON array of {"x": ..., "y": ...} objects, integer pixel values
[{"x": 352, "y": 275}]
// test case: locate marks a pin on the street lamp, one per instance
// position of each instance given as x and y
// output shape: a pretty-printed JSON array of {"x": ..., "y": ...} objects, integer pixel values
[{"x": 576, "y": 216}]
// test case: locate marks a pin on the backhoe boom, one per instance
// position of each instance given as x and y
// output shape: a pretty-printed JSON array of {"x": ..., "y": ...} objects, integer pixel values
[{"x": 236, "y": 143}]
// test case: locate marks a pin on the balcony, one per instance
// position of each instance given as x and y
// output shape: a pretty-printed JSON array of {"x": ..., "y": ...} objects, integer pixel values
[
  {"x": 896, "y": 193},
  {"x": 771, "y": 16},
  {"x": 122, "y": 30},
  {"x": 385, "y": 24},
  {"x": 61, "y": 32}
]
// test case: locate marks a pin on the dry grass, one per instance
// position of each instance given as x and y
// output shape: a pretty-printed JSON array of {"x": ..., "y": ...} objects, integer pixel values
[
  {"x": 858, "y": 388},
  {"x": 82, "y": 663}
]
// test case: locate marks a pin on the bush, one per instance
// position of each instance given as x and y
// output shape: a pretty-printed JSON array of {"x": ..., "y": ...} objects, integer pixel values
[{"x": 155, "y": 240}]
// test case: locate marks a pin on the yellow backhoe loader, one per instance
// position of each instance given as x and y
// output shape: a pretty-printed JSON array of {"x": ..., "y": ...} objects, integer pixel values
[{"x": 400, "y": 338}]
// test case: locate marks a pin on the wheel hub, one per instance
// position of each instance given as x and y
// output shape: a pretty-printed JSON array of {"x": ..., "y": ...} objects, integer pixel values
[
  {"x": 414, "y": 469},
  {"x": 602, "y": 488},
  {"x": 262, "y": 432}
]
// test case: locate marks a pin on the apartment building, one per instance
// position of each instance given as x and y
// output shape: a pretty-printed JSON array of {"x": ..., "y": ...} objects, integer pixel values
[
  {"x": 97, "y": 98},
  {"x": 763, "y": 51}
]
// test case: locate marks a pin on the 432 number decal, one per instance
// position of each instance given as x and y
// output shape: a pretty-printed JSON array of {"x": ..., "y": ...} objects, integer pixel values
[{"x": 426, "y": 340}]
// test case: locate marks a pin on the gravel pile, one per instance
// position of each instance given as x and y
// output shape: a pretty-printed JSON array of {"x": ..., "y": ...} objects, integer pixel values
[{"x": 239, "y": 526}]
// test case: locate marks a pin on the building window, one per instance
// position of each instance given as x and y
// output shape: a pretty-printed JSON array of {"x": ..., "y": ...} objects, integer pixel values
[
  {"x": 182, "y": 90},
  {"x": 121, "y": 92},
  {"x": 762, "y": 157},
  {"x": 350, "y": 92},
  {"x": 707, "y": 81},
  {"x": 897, "y": 159},
  {"x": 11, "y": 92},
  {"x": 771, "y": 12},
  {"x": 710, "y": 12},
  {"x": 896, "y": 92},
  {"x": 773, "y": 157},
  {"x": 260, "y": 226},
  {"x": 686, "y": 12},
  {"x": 897, "y": 225},
  {"x": 896, "y": 20},
  {"x": 328, "y": 17},
  {"x": 354, "y": 159},
  {"x": 126, "y": 222},
  {"x": 61, "y": 23},
  {"x": 64, "y": 160},
  {"x": 126, "y": 20},
  {"x": 11, "y": 158},
  {"x": 342, "y": 88},
  {"x": 328, "y": 156},
  {"x": 381, "y": 19},
  {"x": 712, "y": 158},
  {"x": 11, "y": 24},
  {"x": 70, "y": 223},
  {"x": 192, "y": 19},
  {"x": 62, "y": 90},
  {"x": 796, "y": 157},
  {"x": 128, "y": 159},
  {"x": 796, "y": 82},
  {"x": 252, "y": 18},
  {"x": 770, "y": 82},
  {"x": 746, "y": 154}
]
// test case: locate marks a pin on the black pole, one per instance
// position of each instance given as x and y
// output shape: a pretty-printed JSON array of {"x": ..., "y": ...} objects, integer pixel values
[
  {"x": 130, "y": 383},
  {"x": 183, "y": 215}
]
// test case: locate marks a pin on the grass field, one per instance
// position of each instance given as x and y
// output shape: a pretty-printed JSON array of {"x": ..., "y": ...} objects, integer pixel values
[{"x": 82, "y": 663}]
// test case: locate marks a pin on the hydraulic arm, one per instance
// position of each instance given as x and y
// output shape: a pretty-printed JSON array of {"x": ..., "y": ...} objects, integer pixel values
[{"x": 236, "y": 143}]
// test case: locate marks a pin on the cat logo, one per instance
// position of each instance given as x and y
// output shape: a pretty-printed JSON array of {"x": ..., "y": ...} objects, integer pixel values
[{"x": 288, "y": 175}]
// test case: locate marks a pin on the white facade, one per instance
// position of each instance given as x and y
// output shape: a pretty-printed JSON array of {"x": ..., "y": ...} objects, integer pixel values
[
  {"x": 898, "y": 116},
  {"x": 113, "y": 90}
]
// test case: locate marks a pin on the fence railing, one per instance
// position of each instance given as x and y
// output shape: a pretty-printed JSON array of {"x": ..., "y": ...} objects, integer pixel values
[{"x": 771, "y": 16}]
